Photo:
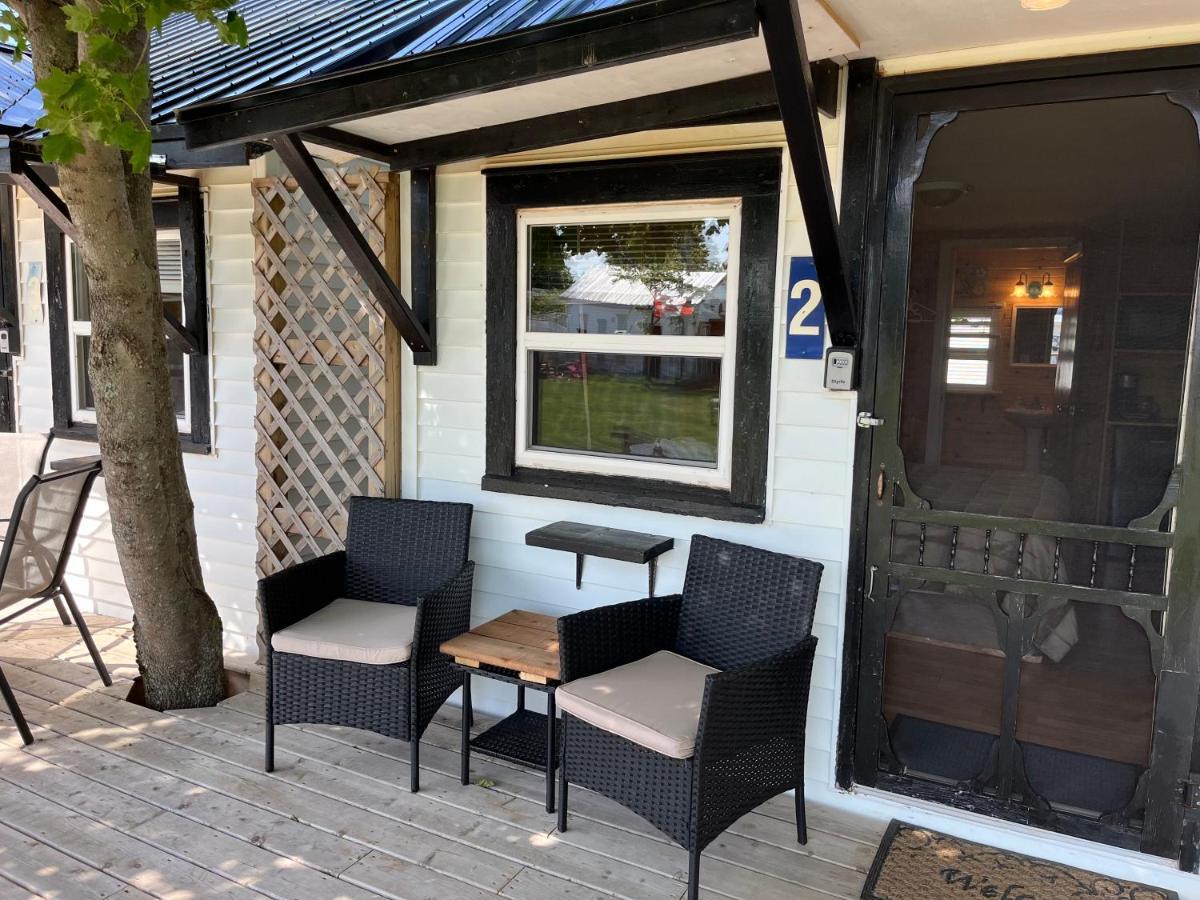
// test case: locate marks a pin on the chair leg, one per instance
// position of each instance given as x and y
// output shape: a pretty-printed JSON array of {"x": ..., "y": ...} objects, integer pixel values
[
  {"x": 414, "y": 764},
  {"x": 562, "y": 776},
  {"x": 694, "y": 875},
  {"x": 801, "y": 817},
  {"x": 269, "y": 745},
  {"x": 464, "y": 748},
  {"x": 15, "y": 710},
  {"x": 63, "y": 615},
  {"x": 86, "y": 635}
]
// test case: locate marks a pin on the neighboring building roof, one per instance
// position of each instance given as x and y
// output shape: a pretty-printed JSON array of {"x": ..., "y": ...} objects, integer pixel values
[
  {"x": 603, "y": 284},
  {"x": 294, "y": 39}
]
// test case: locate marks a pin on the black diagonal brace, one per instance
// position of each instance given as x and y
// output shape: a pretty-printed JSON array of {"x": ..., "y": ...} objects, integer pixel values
[
  {"x": 337, "y": 219},
  {"x": 27, "y": 179},
  {"x": 783, "y": 35}
]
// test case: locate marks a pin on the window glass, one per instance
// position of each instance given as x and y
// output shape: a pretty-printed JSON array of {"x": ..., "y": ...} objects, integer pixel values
[
  {"x": 663, "y": 408},
  {"x": 641, "y": 278},
  {"x": 969, "y": 349},
  {"x": 170, "y": 262}
]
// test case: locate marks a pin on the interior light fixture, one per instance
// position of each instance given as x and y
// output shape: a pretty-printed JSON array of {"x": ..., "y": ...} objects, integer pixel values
[
  {"x": 1043, "y": 5},
  {"x": 1047, "y": 285},
  {"x": 1021, "y": 288}
]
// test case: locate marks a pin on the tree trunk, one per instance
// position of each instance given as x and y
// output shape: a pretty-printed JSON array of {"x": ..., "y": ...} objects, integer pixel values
[{"x": 176, "y": 626}]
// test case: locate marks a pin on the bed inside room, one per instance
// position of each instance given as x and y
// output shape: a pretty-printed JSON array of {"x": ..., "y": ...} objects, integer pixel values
[{"x": 1044, "y": 362}]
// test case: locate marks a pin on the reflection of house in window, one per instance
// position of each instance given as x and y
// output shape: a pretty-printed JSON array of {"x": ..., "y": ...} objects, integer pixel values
[{"x": 594, "y": 300}]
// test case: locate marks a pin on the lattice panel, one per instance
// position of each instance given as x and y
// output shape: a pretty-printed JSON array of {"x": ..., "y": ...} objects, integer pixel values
[{"x": 319, "y": 368}]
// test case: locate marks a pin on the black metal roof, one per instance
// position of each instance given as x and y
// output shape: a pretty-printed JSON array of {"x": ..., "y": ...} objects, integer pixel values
[{"x": 294, "y": 39}]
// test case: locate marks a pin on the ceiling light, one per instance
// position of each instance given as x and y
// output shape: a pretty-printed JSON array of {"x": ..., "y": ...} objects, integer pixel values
[
  {"x": 1043, "y": 5},
  {"x": 941, "y": 193}
]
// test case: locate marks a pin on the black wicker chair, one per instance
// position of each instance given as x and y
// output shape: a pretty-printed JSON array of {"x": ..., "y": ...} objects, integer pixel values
[
  {"x": 45, "y": 519},
  {"x": 745, "y": 613},
  {"x": 405, "y": 553}
]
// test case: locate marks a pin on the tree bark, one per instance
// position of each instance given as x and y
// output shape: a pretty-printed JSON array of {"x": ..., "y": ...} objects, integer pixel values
[{"x": 176, "y": 626}]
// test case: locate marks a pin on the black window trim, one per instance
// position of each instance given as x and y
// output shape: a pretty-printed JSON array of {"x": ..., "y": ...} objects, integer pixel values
[
  {"x": 752, "y": 176},
  {"x": 185, "y": 212}
]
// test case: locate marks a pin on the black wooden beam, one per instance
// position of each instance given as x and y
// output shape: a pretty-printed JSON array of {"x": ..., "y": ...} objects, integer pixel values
[
  {"x": 337, "y": 139},
  {"x": 750, "y": 94},
  {"x": 624, "y": 34},
  {"x": 423, "y": 223},
  {"x": 783, "y": 34},
  {"x": 52, "y": 205},
  {"x": 827, "y": 77},
  {"x": 337, "y": 219},
  {"x": 190, "y": 209}
]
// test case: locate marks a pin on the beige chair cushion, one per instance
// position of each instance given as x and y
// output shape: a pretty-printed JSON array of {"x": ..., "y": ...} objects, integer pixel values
[
  {"x": 377, "y": 634},
  {"x": 654, "y": 702}
]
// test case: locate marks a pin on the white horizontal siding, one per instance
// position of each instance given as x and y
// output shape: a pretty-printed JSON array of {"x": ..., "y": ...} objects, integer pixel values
[
  {"x": 222, "y": 483},
  {"x": 810, "y": 471}
]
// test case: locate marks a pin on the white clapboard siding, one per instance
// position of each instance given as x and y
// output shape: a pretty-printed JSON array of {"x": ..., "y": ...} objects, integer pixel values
[
  {"x": 812, "y": 439},
  {"x": 222, "y": 483}
]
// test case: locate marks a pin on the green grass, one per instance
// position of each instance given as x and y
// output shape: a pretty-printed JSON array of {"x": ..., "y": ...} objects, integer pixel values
[{"x": 619, "y": 405}]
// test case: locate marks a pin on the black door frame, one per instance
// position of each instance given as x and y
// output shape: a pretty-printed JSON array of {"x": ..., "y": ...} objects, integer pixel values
[
  {"x": 874, "y": 105},
  {"x": 9, "y": 308}
]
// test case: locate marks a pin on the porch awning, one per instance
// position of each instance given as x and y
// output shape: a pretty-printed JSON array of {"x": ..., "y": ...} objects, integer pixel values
[{"x": 642, "y": 65}]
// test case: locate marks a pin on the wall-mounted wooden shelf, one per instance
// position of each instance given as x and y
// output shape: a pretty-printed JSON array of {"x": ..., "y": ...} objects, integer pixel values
[{"x": 609, "y": 543}]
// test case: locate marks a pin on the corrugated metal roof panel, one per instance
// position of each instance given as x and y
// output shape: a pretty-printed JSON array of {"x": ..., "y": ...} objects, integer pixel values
[{"x": 294, "y": 39}]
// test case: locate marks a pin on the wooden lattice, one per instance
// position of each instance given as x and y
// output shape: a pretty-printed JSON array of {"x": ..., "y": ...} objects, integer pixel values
[{"x": 319, "y": 368}]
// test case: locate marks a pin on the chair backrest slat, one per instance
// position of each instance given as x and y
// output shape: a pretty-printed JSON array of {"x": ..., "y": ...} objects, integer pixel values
[
  {"x": 399, "y": 550},
  {"x": 742, "y": 604},
  {"x": 38, "y": 542}
]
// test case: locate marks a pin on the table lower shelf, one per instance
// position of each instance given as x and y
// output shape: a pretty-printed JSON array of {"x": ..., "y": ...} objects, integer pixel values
[{"x": 520, "y": 738}]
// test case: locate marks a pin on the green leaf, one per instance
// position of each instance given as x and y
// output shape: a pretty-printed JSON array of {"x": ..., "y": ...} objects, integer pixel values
[{"x": 61, "y": 148}]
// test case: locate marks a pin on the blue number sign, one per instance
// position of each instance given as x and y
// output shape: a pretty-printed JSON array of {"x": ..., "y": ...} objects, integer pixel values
[{"x": 805, "y": 312}]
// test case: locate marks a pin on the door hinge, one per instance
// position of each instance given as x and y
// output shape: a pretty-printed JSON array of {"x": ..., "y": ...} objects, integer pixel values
[
  {"x": 1189, "y": 790},
  {"x": 868, "y": 420}
]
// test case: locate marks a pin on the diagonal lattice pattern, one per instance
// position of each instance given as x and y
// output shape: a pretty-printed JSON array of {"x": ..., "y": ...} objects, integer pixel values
[{"x": 319, "y": 368}]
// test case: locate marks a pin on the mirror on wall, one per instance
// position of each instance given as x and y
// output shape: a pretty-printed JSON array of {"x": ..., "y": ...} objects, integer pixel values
[{"x": 1036, "y": 334}]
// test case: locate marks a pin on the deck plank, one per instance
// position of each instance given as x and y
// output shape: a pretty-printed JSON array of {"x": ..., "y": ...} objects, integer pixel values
[{"x": 186, "y": 791}]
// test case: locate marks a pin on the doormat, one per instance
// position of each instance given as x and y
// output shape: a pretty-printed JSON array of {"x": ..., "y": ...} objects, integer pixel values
[{"x": 918, "y": 864}]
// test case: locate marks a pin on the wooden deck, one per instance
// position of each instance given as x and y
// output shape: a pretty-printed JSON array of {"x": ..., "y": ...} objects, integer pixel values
[{"x": 114, "y": 800}]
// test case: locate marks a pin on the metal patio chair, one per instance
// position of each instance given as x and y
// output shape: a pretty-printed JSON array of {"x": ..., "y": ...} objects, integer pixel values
[
  {"x": 37, "y": 544},
  {"x": 690, "y": 709},
  {"x": 353, "y": 637},
  {"x": 24, "y": 455}
]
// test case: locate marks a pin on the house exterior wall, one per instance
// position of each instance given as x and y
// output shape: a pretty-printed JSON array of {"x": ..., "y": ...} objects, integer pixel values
[
  {"x": 443, "y": 444},
  {"x": 222, "y": 482}
]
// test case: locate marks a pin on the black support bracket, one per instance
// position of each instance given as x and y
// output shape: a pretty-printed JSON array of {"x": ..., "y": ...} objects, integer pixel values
[
  {"x": 783, "y": 34},
  {"x": 350, "y": 238}
]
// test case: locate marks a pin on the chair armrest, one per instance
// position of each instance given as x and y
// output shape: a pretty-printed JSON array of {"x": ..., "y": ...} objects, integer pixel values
[
  {"x": 299, "y": 591},
  {"x": 756, "y": 704},
  {"x": 442, "y": 614},
  {"x": 596, "y": 640}
]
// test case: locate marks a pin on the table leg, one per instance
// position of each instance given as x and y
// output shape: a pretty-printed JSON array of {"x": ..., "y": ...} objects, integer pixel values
[
  {"x": 550, "y": 758},
  {"x": 465, "y": 746},
  {"x": 520, "y": 698}
]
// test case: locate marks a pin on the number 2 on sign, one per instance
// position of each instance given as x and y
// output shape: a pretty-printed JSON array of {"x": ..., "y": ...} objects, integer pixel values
[{"x": 807, "y": 307}]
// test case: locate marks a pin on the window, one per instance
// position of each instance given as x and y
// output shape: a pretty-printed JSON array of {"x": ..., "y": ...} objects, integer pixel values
[
  {"x": 170, "y": 271},
  {"x": 651, "y": 398},
  {"x": 970, "y": 349},
  {"x": 182, "y": 277},
  {"x": 630, "y": 331}
]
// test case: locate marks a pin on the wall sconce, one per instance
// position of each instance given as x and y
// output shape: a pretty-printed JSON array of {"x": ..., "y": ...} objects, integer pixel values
[
  {"x": 1021, "y": 289},
  {"x": 1048, "y": 288}
]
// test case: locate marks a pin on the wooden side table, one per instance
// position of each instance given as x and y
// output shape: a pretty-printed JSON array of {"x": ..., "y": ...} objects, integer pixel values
[{"x": 519, "y": 648}]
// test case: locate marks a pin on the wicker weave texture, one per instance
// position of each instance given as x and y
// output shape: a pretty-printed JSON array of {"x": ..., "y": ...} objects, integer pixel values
[
  {"x": 742, "y": 604},
  {"x": 745, "y": 611},
  {"x": 398, "y": 551}
]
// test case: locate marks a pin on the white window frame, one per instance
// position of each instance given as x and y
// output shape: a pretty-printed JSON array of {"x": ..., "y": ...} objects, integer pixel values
[
  {"x": 989, "y": 355},
  {"x": 76, "y": 329},
  {"x": 711, "y": 347}
]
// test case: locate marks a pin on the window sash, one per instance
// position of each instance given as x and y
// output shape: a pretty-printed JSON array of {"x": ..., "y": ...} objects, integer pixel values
[
  {"x": 77, "y": 328},
  {"x": 712, "y": 347},
  {"x": 972, "y": 341}
]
